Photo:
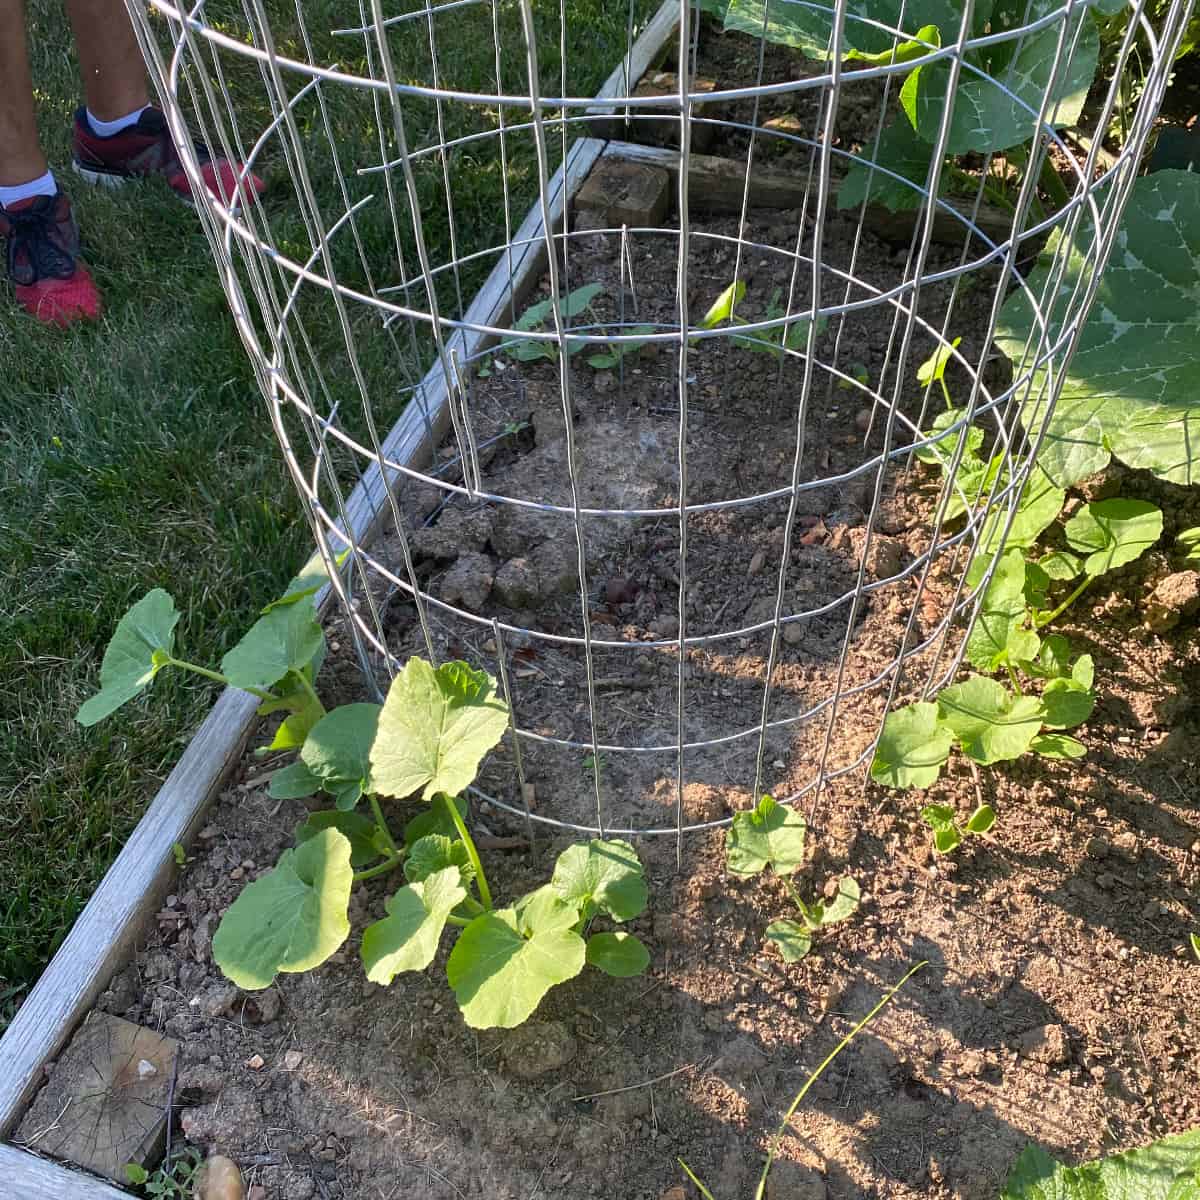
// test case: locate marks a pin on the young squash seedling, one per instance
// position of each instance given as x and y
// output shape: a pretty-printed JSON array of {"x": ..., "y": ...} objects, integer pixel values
[
  {"x": 772, "y": 835},
  {"x": 426, "y": 740},
  {"x": 535, "y": 320},
  {"x": 1023, "y": 591},
  {"x": 948, "y": 834},
  {"x": 173, "y": 1179}
]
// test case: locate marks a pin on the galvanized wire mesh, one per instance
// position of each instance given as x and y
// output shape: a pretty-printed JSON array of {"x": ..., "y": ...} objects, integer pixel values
[{"x": 405, "y": 144}]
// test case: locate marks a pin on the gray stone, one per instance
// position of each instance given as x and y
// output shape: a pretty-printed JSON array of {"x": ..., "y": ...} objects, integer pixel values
[
  {"x": 556, "y": 563},
  {"x": 219, "y": 1179},
  {"x": 218, "y": 1001}
]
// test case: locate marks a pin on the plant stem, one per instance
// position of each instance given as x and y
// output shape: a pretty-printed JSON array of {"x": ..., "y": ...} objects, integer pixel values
[
  {"x": 760, "y": 1191},
  {"x": 461, "y": 922},
  {"x": 1042, "y": 622},
  {"x": 381, "y": 821},
  {"x": 1052, "y": 184},
  {"x": 1015, "y": 681},
  {"x": 388, "y": 864},
  {"x": 308, "y": 687},
  {"x": 196, "y": 669},
  {"x": 480, "y": 878}
]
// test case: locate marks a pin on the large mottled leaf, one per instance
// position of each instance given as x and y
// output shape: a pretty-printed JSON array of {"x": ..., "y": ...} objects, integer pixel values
[
  {"x": 873, "y": 172},
  {"x": 500, "y": 975},
  {"x": 603, "y": 875},
  {"x": 281, "y": 640},
  {"x": 407, "y": 938},
  {"x": 435, "y": 728},
  {"x": 809, "y": 28},
  {"x": 367, "y": 842},
  {"x": 1000, "y": 88},
  {"x": 1131, "y": 386},
  {"x": 140, "y": 647},
  {"x": 912, "y": 747},
  {"x": 990, "y": 723},
  {"x": 769, "y": 834},
  {"x": 292, "y": 918},
  {"x": 1165, "y": 1170}
]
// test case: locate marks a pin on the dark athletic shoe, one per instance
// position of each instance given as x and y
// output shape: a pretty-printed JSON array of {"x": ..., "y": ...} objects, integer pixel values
[
  {"x": 147, "y": 149},
  {"x": 49, "y": 280}
]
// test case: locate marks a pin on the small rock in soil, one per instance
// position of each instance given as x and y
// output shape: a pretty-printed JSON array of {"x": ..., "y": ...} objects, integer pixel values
[
  {"x": 538, "y": 1047},
  {"x": 257, "y": 1192},
  {"x": 862, "y": 420},
  {"x": 469, "y": 582},
  {"x": 1096, "y": 847},
  {"x": 219, "y": 1179},
  {"x": 516, "y": 584},
  {"x": 1177, "y": 596},
  {"x": 557, "y": 567},
  {"x": 793, "y": 633},
  {"x": 264, "y": 1006},
  {"x": 292, "y": 1059},
  {"x": 665, "y": 625},
  {"x": 756, "y": 563},
  {"x": 1046, "y": 1043}
]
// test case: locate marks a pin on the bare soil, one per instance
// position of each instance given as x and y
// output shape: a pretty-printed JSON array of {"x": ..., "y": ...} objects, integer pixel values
[{"x": 1059, "y": 1004}]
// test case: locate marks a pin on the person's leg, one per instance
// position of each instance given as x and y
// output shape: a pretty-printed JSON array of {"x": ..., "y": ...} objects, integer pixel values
[
  {"x": 21, "y": 157},
  {"x": 110, "y": 61}
]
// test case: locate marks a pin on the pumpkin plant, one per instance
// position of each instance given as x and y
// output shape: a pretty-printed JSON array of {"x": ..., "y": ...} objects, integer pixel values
[{"x": 426, "y": 741}]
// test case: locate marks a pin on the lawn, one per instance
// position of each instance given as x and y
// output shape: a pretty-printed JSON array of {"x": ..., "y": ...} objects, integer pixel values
[{"x": 137, "y": 452}]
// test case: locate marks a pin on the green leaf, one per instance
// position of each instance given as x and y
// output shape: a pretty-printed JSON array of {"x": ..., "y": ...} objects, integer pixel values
[
  {"x": 1057, "y": 745},
  {"x": 435, "y": 728},
  {"x": 293, "y": 782},
  {"x": 991, "y": 724},
  {"x": 543, "y": 910},
  {"x": 1040, "y": 504},
  {"x": 793, "y": 940},
  {"x": 1168, "y": 1169},
  {"x": 1067, "y": 704},
  {"x": 1061, "y": 565},
  {"x": 434, "y": 820},
  {"x": 1187, "y": 543},
  {"x": 366, "y": 841},
  {"x": 291, "y": 919},
  {"x": 912, "y": 747},
  {"x": 981, "y": 820},
  {"x": 618, "y": 954},
  {"x": 927, "y": 38},
  {"x": 998, "y": 109},
  {"x": 843, "y": 905},
  {"x": 1052, "y": 660},
  {"x": 1130, "y": 386},
  {"x": 810, "y": 29},
  {"x": 1023, "y": 645},
  {"x": 604, "y": 875},
  {"x": 769, "y": 835},
  {"x": 312, "y": 579},
  {"x": 434, "y": 853},
  {"x": 722, "y": 307},
  {"x": 893, "y": 173},
  {"x": 1113, "y": 532},
  {"x": 294, "y": 729},
  {"x": 136, "y": 1174},
  {"x": 407, "y": 938},
  {"x": 338, "y": 751},
  {"x": 499, "y": 977},
  {"x": 1002, "y": 610},
  {"x": 941, "y": 452},
  {"x": 1194, "y": 938},
  {"x": 940, "y": 818},
  {"x": 284, "y": 639},
  {"x": 1037, "y": 586},
  {"x": 141, "y": 646},
  {"x": 1084, "y": 671},
  {"x": 933, "y": 369}
]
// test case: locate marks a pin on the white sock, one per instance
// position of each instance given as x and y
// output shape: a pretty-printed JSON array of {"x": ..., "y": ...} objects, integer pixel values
[
  {"x": 109, "y": 128},
  {"x": 42, "y": 186}
]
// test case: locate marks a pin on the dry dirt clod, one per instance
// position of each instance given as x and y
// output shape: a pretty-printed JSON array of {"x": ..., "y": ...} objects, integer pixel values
[
  {"x": 469, "y": 582},
  {"x": 219, "y": 1000},
  {"x": 257, "y": 1192},
  {"x": 219, "y": 1179},
  {"x": 756, "y": 563},
  {"x": 1046, "y": 1043},
  {"x": 292, "y": 1059},
  {"x": 516, "y": 584},
  {"x": 862, "y": 420},
  {"x": 1177, "y": 596},
  {"x": 538, "y": 1047}
]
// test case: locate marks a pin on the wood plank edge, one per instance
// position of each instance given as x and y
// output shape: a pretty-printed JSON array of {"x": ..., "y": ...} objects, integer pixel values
[{"x": 25, "y": 1176}]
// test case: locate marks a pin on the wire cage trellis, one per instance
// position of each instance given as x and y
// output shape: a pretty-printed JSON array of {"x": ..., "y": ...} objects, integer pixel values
[{"x": 680, "y": 557}]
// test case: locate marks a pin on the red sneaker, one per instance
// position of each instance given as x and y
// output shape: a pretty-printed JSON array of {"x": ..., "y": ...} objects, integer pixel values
[
  {"x": 49, "y": 280},
  {"x": 147, "y": 149}
]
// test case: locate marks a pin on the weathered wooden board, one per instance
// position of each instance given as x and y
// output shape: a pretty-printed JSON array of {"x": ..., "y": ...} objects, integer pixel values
[
  {"x": 716, "y": 184},
  {"x": 24, "y": 1176}
]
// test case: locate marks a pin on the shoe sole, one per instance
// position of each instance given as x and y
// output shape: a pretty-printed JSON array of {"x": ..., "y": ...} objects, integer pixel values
[{"x": 106, "y": 179}]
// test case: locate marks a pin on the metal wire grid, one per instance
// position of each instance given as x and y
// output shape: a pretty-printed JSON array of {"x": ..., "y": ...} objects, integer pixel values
[{"x": 280, "y": 296}]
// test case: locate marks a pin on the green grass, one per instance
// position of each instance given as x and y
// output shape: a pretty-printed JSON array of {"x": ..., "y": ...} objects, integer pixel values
[{"x": 137, "y": 452}]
